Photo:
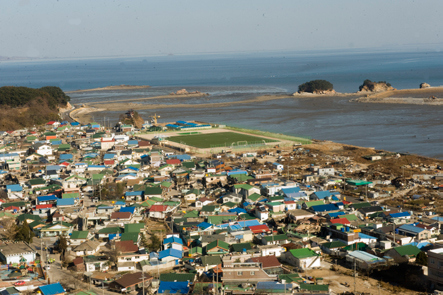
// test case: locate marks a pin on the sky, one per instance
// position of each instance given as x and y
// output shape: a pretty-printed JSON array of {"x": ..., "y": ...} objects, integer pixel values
[{"x": 78, "y": 28}]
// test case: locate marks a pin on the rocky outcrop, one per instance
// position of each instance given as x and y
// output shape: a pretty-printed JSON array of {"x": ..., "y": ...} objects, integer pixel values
[
  {"x": 316, "y": 92},
  {"x": 424, "y": 85},
  {"x": 184, "y": 92},
  {"x": 369, "y": 86}
]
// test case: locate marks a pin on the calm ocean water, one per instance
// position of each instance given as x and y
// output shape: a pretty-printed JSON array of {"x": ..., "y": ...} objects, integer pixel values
[{"x": 405, "y": 128}]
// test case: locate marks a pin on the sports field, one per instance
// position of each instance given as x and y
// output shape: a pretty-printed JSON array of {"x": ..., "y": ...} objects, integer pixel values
[{"x": 218, "y": 139}]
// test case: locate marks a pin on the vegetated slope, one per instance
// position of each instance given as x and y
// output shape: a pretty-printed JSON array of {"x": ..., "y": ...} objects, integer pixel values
[
  {"x": 24, "y": 107},
  {"x": 316, "y": 86},
  {"x": 132, "y": 117}
]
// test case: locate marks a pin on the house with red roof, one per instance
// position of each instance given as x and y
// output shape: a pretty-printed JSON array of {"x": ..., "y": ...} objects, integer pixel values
[
  {"x": 174, "y": 162},
  {"x": 259, "y": 229},
  {"x": 158, "y": 211},
  {"x": 343, "y": 221},
  {"x": 107, "y": 143}
]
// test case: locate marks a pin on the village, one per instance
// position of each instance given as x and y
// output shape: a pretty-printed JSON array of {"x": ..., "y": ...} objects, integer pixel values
[{"x": 93, "y": 209}]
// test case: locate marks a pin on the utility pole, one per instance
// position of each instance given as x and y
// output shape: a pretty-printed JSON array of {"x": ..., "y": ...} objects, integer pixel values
[
  {"x": 103, "y": 289},
  {"x": 143, "y": 278},
  {"x": 393, "y": 226},
  {"x": 355, "y": 284}
]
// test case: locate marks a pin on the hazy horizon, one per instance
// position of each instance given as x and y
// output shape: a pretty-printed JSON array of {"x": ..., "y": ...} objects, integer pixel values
[{"x": 84, "y": 29}]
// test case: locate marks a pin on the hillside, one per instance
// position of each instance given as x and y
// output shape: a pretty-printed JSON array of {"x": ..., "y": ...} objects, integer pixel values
[{"x": 25, "y": 107}]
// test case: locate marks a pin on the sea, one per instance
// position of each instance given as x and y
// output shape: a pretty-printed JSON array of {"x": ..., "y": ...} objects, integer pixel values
[{"x": 231, "y": 77}]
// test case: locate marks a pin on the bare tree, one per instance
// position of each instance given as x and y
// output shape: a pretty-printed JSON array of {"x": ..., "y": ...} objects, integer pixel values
[{"x": 9, "y": 228}]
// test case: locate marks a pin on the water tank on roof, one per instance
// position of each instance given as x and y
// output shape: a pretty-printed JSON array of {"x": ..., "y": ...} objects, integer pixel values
[
  {"x": 343, "y": 229},
  {"x": 347, "y": 228}
]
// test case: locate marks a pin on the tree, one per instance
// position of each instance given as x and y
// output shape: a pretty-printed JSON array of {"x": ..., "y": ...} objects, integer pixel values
[
  {"x": 144, "y": 242},
  {"x": 315, "y": 85},
  {"x": 62, "y": 243},
  {"x": 24, "y": 233},
  {"x": 155, "y": 243},
  {"x": 10, "y": 228},
  {"x": 422, "y": 258}
]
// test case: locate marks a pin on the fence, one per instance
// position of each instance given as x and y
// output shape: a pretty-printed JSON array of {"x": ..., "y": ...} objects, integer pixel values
[
  {"x": 240, "y": 144},
  {"x": 299, "y": 139}
]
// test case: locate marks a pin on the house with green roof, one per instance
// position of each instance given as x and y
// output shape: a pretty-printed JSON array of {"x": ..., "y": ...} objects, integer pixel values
[
  {"x": 217, "y": 247},
  {"x": 253, "y": 198},
  {"x": 189, "y": 165},
  {"x": 246, "y": 189},
  {"x": 241, "y": 247},
  {"x": 56, "y": 229},
  {"x": 309, "y": 204},
  {"x": 130, "y": 236},
  {"x": 314, "y": 288},
  {"x": 153, "y": 191},
  {"x": 73, "y": 181},
  {"x": 209, "y": 210},
  {"x": 219, "y": 219},
  {"x": 78, "y": 237},
  {"x": 36, "y": 183},
  {"x": 28, "y": 217},
  {"x": 134, "y": 227},
  {"x": 332, "y": 247},
  {"x": 64, "y": 147},
  {"x": 195, "y": 251},
  {"x": 303, "y": 258},
  {"x": 240, "y": 178},
  {"x": 403, "y": 254},
  {"x": 191, "y": 214}
]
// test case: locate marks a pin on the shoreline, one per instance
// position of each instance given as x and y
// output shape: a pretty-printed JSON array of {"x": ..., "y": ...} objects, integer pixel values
[
  {"x": 151, "y": 97},
  {"x": 112, "y": 87}
]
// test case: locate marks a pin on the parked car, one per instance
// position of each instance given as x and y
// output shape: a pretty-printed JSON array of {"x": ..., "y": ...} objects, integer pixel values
[{"x": 19, "y": 283}]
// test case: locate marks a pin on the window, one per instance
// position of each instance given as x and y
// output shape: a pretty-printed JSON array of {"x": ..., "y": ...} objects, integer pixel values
[
  {"x": 432, "y": 261},
  {"x": 252, "y": 273},
  {"x": 239, "y": 273}
]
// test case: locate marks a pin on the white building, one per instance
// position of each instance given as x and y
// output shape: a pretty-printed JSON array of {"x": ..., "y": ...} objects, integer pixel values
[{"x": 17, "y": 253}]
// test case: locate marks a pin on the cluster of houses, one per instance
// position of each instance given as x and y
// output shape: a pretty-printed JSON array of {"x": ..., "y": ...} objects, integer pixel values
[{"x": 227, "y": 229}]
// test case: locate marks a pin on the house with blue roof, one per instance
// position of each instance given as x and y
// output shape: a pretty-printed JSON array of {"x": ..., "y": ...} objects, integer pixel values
[
  {"x": 173, "y": 288},
  {"x": 14, "y": 188},
  {"x": 127, "y": 209},
  {"x": 174, "y": 243},
  {"x": 182, "y": 158},
  {"x": 399, "y": 217},
  {"x": 49, "y": 199},
  {"x": 324, "y": 208},
  {"x": 237, "y": 172},
  {"x": 290, "y": 192},
  {"x": 14, "y": 191},
  {"x": 415, "y": 231},
  {"x": 170, "y": 254},
  {"x": 134, "y": 196},
  {"x": 66, "y": 157},
  {"x": 109, "y": 156},
  {"x": 52, "y": 289},
  {"x": 68, "y": 202},
  {"x": 323, "y": 195}
]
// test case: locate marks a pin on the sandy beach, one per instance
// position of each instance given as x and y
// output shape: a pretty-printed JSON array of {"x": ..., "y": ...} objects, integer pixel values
[
  {"x": 116, "y": 87},
  {"x": 153, "y": 97},
  {"x": 425, "y": 96}
]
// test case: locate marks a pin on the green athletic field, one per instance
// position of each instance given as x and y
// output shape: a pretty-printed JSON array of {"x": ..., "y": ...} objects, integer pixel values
[{"x": 218, "y": 139}]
